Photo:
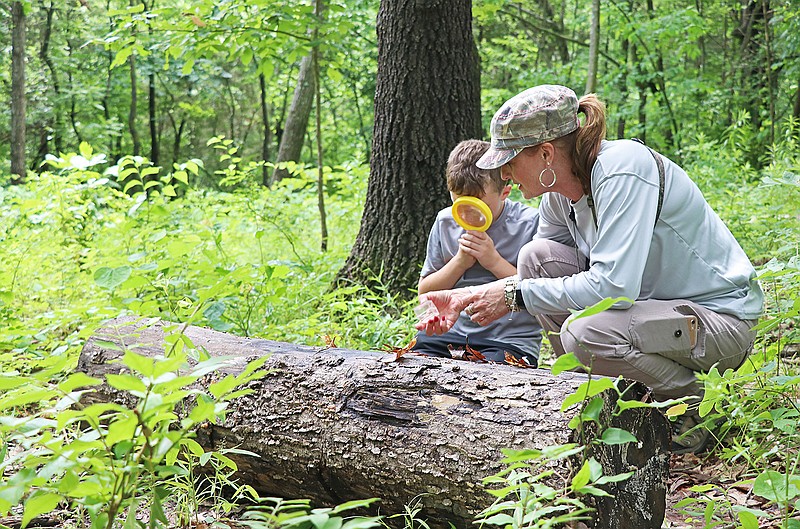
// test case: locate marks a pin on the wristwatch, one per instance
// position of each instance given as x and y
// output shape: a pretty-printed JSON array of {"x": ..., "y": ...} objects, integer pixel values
[{"x": 510, "y": 294}]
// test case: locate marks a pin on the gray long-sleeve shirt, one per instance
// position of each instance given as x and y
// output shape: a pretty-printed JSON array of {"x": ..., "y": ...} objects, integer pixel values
[{"x": 689, "y": 255}]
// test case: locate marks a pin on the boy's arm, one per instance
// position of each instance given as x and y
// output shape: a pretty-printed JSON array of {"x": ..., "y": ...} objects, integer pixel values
[{"x": 446, "y": 277}]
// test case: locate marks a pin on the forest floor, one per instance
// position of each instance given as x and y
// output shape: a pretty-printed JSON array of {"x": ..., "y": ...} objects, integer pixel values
[
  {"x": 720, "y": 485},
  {"x": 707, "y": 480}
]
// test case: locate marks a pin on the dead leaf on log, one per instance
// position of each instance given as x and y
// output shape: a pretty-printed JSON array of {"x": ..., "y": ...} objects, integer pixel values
[
  {"x": 330, "y": 342},
  {"x": 516, "y": 362},
  {"x": 398, "y": 352},
  {"x": 473, "y": 355}
]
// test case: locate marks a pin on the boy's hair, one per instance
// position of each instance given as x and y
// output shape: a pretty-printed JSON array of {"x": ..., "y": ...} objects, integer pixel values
[{"x": 464, "y": 177}]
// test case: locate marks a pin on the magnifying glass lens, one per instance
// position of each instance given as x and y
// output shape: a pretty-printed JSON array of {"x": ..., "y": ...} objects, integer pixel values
[{"x": 472, "y": 215}]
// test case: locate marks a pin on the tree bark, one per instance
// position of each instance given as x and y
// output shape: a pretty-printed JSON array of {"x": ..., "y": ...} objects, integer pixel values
[
  {"x": 323, "y": 218},
  {"x": 594, "y": 46},
  {"x": 427, "y": 99},
  {"x": 297, "y": 119},
  {"x": 57, "y": 123},
  {"x": 153, "y": 119},
  {"x": 18, "y": 97},
  {"x": 137, "y": 144},
  {"x": 334, "y": 425},
  {"x": 266, "y": 140}
]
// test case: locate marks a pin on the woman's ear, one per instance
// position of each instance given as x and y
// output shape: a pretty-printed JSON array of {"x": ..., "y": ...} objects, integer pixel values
[{"x": 546, "y": 151}]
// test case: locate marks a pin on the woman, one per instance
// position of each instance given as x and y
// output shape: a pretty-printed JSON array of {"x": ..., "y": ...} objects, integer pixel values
[{"x": 617, "y": 220}]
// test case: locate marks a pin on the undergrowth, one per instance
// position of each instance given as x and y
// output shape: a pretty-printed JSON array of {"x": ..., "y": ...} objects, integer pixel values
[{"x": 81, "y": 245}]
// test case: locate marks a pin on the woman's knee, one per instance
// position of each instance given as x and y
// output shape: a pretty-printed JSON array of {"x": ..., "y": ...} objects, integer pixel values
[
  {"x": 546, "y": 258},
  {"x": 594, "y": 336}
]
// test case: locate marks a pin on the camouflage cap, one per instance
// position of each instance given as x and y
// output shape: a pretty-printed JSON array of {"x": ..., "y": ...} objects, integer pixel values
[{"x": 537, "y": 115}]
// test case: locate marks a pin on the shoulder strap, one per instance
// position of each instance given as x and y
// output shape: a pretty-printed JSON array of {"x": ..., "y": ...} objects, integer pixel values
[{"x": 660, "y": 164}]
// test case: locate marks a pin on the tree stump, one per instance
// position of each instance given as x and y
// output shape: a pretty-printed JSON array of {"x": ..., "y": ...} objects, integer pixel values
[{"x": 333, "y": 425}]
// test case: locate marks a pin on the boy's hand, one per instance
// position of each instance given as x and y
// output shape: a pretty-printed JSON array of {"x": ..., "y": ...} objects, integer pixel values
[
  {"x": 464, "y": 259},
  {"x": 479, "y": 246}
]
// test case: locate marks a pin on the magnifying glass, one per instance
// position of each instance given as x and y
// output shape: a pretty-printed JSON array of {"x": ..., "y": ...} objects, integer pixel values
[{"x": 472, "y": 213}]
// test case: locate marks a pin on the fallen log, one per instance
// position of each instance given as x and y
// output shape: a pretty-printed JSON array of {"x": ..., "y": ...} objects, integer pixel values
[{"x": 333, "y": 425}]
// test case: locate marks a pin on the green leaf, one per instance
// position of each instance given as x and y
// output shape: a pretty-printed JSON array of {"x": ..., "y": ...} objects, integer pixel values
[
  {"x": 157, "y": 510},
  {"x": 594, "y": 491},
  {"x": 581, "y": 479},
  {"x": 39, "y": 503},
  {"x": 623, "y": 405},
  {"x": 590, "y": 388},
  {"x": 181, "y": 176},
  {"x": 111, "y": 278},
  {"x": 748, "y": 520},
  {"x": 591, "y": 412},
  {"x": 147, "y": 171},
  {"x": 130, "y": 520},
  {"x": 126, "y": 382},
  {"x": 85, "y": 150},
  {"x": 78, "y": 380},
  {"x": 615, "y": 478},
  {"x": 617, "y": 436},
  {"x": 121, "y": 57},
  {"x": 139, "y": 363},
  {"x": 187, "y": 67},
  {"x": 597, "y": 308},
  {"x": 354, "y": 504},
  {"x": 776, "y": 487},
  {"x": 363, "y": 523},
  {"x": 678, "y": 409},
  {"x": 565, "y": 362},
  {"x": 515, "y": 456},
  {"x": 335, "y": 75}
]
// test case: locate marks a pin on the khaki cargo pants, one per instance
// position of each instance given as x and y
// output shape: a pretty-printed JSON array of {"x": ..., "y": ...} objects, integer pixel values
[{"x": 649, "y": 341}]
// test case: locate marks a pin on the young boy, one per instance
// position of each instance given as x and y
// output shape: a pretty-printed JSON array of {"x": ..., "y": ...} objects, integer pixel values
[{"x": 460, "y": 258}]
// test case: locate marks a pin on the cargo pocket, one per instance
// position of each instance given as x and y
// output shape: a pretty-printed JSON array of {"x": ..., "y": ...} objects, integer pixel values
[{"x": 665, "y": 333}]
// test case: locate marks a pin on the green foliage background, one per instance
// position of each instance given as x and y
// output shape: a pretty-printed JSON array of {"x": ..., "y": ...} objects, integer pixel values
[{"x": 99, "y": 231}]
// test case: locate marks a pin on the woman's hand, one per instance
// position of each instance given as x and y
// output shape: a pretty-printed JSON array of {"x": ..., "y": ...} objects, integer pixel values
[
  {"x": 483, "y": 305},
  {"x": 489, "y": 303},
  {"x": 449, "y": 303}
]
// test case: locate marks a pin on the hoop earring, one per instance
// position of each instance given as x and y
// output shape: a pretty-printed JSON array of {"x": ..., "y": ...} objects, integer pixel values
[{"x": 541, "y": 177}]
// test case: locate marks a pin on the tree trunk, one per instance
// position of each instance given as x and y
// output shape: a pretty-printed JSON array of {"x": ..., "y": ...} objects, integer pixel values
[
  {"x": 323, "y": 219},
  {"x": 427, "y": 99},
  {"x": 57, "y": 117},
  {"x": 266, "y": 140},
  {"x": 336, "y": 425},
  {"x": 18, "y": 97},
  {"x": 594, "y": 46},
  {"x": 151, "y": 104},
  {"x": 137, "y": 144},
  {"x": 297, "y": 119},
  {"x": 753, "y": 63}
]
